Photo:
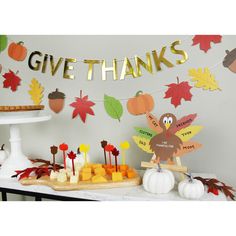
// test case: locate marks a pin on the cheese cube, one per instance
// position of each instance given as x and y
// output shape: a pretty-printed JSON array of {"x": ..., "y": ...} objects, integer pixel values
[
  {"x": 100, "y": 171},
  {"x": 99, "y": 179},
  {"x": 131, "y": 174},
  {"x": 86, "y": 170},
  {"x": 53, "y": 175},
  {"x": 74, "y": 179},
  {"x": 62, "y": 177},
  {"x": 86, "y": 176},
  {"x": 95, "y": 166},
  {"x": 123, "y": 167},
  {"x": 117, "y": 176}
]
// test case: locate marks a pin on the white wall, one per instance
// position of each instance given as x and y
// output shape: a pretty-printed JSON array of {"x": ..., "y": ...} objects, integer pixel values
[{"x": 216, "y": 110}]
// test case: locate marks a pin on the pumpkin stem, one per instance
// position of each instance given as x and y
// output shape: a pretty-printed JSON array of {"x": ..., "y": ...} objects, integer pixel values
[
  {"x": 138, "y": 93},
  {"x": 190, "y": 177},
  {"x": 21, "y": 43},
  {"x": 227, "y": 51},
  {"x": 78, "y": 151},
  {"x": 159, "y": 167},
  {"x": 2, "y": 147}
]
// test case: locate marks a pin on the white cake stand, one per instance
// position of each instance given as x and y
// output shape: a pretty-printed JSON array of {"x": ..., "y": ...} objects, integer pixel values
[{"x": 17, "y": 160}]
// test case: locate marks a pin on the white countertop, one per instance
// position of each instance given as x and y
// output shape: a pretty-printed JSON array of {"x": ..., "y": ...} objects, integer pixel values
[{"x": 116, "y": 194}]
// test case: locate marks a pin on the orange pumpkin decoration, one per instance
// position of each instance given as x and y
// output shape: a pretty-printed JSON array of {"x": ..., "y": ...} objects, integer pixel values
[
  {"x": 17, "y": 51},
  {"x": 140, "y": 104}
]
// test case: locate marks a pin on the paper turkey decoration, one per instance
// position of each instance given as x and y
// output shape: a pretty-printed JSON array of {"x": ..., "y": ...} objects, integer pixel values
[{"x": 168, "y": 137}]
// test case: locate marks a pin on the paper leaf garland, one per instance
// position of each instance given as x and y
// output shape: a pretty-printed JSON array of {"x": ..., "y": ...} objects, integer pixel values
[
  {"x": 184, "y": 122},
  {"x": 145, "y": 132},
  {"x": 143, "y": 143},
  {"x": 188, "y": 132},
  {"x": 203, "y": 79},
  {"x": 230, "y": 60},
  {"x": 205, "y": 41},
  {"x": 3, "y": 42},
  {"x": 11, "y": 81},
  {"x": 36, "y": 92},
  {"x": 178, "y": 91},
  {"x": 113, "y": 107},
  {"x": 82, "y": 107}
]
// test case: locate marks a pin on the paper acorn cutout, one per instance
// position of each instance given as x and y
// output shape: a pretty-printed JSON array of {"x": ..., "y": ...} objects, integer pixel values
[
  {"x": 56, "y": 101},
  {"x": 230, "y": 60},
  {"x": 171, "y": 137}
]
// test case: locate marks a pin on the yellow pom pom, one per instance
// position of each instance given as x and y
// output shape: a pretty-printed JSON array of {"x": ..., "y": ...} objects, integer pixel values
[{"x": 125, "y": 145}]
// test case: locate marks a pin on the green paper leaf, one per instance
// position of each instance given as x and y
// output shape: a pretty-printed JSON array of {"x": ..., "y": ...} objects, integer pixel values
[
  {"x": 3, "y": 42},
  {"x": 145, "y": 132},
  {"x": 113, "y": 107}
]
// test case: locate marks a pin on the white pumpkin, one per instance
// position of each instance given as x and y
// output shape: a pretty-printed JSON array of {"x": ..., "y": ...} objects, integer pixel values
[
  {"x": 79, "y": 160},
  {"x": 191, "y": 188},
  {"x": 158, "y": 180},
  {"x": 3, "y": 154}
]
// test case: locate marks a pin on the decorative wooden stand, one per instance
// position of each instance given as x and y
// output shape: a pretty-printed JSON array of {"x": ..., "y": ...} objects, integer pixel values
[
  {"x": 81, "y": 185},
  {"x": 177, "y": 168}
]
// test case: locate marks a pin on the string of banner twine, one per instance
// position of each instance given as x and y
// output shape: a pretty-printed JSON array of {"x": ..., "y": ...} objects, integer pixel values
[{"x": 131, "y": 58}]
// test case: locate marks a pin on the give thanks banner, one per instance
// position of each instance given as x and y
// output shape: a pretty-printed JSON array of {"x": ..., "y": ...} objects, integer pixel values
[{"x": 153, "y": 63}]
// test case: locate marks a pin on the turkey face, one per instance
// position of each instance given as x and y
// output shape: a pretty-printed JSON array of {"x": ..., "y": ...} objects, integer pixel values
[{"x": 167, "y": 121}]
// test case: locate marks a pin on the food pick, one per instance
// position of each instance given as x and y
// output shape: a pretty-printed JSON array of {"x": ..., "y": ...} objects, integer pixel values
[
  {"x": 115, "y": 153},
  {"x": 109, "y": 149},
  {"x": 64, "y": 147},
  {"x": 85, "y": 148},
  {"x": 72, "y": 156},
  {"x": 124, "y": 146},
  {"x": 54, "y": 150},
  {"x": 103, "y": 144}
]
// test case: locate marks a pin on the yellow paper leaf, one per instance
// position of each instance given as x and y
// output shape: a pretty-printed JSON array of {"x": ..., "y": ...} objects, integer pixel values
[
  {"x": 188, "y": 132},
  {"x": 143, "y": 143},
  {"x": 203, "y": 79},
  {"x": 36, "y": 92}
]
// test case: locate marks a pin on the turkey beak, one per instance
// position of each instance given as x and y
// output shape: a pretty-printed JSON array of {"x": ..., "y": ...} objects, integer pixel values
[{"x": 167, "y": 125}]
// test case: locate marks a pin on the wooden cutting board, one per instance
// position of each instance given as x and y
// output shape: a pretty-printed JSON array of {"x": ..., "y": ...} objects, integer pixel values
[{"x": 81, "y": 185}]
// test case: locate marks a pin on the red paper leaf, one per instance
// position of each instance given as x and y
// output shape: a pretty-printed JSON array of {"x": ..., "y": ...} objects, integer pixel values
[
  {"x": 82, "y": 107},
  {"x": 109, "y": 148},
  {"x": 178, "y": 91},
  {"x": 11, "y": 81},
  {"x": 184, "y": 122},
  {"x": 205, "y": 41},
  {"x": 115, "y": 152}
]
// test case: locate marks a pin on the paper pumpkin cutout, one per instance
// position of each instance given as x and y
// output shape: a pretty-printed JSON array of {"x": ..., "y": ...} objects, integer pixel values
[
  {"x": 36, "y": 92},
  {"x": 140, "y": 104},
  {"x": 113, "y": 107},
  {"x": 17, "y": 51},
  {"x": 203, "y": 79},
  {"x": 172, "y": 139},
  {"x": 11, "y": 81},
  {"x": 82, "y": 107},
  {"x": 205, "y": 41},
  {"x": 230, "y": 60},
  {"x": 3, "y": 42},
  {"x": 56, "y": 101},
  {"x": 178, "y": 91}
]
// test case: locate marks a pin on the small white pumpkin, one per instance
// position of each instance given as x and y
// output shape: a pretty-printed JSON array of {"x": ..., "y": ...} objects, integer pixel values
[
  {"x": 158, "y": 180},
  {"x": 191, "y": 188},
  {"x": 3, "y": 154},
  {"x": 79, "y": 160}
]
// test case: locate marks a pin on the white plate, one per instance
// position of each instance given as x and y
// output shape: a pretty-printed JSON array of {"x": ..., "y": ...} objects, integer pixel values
[{"x": 19, "y": 114}]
